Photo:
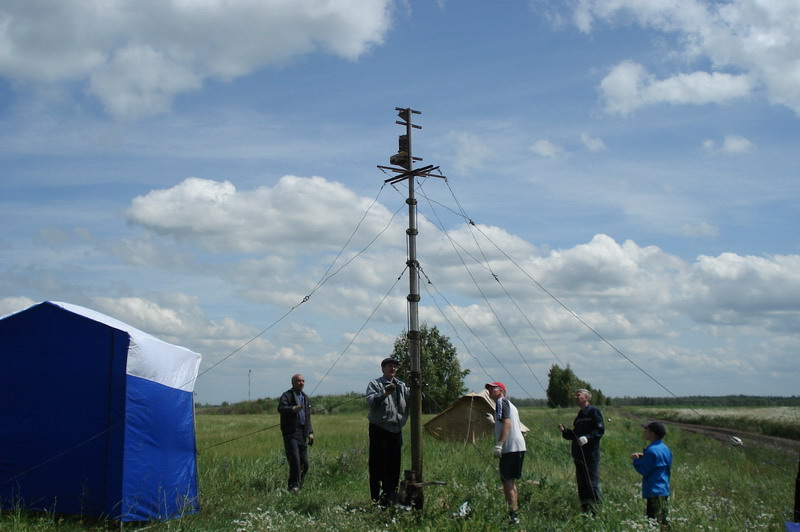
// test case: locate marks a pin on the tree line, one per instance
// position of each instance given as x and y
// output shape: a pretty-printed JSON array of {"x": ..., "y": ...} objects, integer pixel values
[{"x": 443, "y": 383}]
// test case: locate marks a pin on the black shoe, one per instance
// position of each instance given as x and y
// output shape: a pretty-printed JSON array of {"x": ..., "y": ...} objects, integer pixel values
[{"x": 513, "y": 517}]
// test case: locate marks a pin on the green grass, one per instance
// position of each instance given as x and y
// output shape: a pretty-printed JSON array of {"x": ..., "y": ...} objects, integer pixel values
[{"x": 242, "y": 483}]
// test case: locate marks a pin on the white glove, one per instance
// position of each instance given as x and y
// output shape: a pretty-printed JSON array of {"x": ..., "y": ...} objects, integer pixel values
[
  {"x": 498, "y": 450},
  {"x": 583, "y": 440}
]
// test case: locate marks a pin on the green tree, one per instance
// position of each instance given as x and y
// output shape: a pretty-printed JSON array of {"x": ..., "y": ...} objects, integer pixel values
[
  {"x": 561, "y": 386},
  {"x": 442, "y": 376}
]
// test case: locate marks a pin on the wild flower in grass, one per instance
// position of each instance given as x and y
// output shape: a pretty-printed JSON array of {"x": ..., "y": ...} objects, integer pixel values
[
  {"x": 679, "y": 523},
  {"x": 266, "y": 520},
  {"x": 347, "y": 510},
  {"x": 762, "y": 521},
  {"x": 642, "y": 524}
]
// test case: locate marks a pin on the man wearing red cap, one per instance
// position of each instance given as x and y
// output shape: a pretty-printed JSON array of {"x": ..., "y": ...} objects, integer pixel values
[{"x": 510, "y": 446}]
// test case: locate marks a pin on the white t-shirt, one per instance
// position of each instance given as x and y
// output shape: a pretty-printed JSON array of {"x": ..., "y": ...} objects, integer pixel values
[{"x": 515, "y": 442}]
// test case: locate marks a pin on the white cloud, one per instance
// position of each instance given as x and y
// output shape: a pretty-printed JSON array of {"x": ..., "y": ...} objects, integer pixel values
[
  {"x": 731, "y": 144},
  {"x": 545, "y": 148},
  {"x": 471, "y": 152},
  {"x": 702, "y": 229},
  {"x": 143, "y": 314},
  {"x": 10, "y": 305},
  {"x": 731, "y": 289},
  {"x": 750, "y": 44},
  {"x": 629, "y": 86},
  {"x": 172, "y": 316},
  {"x": 736, "y": 144},
  {"x": 600, "y": 263},
  {"x": 301, "y": 214},
  {"x": 592, "y": 143},
  {"x": 139, "y": 80},
  {"x": 139, "y": 55}
]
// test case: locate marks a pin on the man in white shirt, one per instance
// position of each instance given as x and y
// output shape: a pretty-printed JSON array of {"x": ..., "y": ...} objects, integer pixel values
[{"x": 509, "y": 447}]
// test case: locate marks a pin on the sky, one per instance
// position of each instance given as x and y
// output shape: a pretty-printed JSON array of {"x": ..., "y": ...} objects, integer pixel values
[{"x": 620, "y": 191}]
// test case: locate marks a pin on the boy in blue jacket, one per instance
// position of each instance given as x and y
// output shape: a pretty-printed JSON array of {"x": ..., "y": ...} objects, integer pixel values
[{"x": 654, "y": 465}]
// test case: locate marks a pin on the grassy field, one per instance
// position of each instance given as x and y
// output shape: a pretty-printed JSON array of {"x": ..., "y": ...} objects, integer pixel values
[
  {"x": 242, "y": 483},
  {"x": 782, "y": 421}
]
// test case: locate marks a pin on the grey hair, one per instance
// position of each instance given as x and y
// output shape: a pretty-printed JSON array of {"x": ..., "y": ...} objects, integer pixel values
[{"x": 584, "y": 390}]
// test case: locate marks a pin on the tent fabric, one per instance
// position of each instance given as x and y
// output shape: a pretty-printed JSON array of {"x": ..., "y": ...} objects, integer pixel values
[
  {"x": 97, "y": 417},
  {"x": 146, "y": 353},
  {"x": 468, "y": 419}
]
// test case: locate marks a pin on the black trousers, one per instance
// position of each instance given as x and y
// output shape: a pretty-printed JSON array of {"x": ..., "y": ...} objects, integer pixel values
[
  {"x": 385, "y": 453},
  {"x": 658, "y": 508},
  {"x": 297, "y": 455},
  {"x": 587, "y": 475}
]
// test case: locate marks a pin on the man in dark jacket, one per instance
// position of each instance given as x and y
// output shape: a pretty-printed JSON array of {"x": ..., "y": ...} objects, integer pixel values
[
  {"x": 295, "y": 411},
  {"x": 585, "y": 435}
]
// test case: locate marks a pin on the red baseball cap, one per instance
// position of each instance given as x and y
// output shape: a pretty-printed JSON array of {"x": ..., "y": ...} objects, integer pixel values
[{"x": 496, "y": 385}]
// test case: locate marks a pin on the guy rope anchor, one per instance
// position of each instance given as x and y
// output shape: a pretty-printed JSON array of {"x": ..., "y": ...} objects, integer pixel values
[{"x": 410, "y": 491}]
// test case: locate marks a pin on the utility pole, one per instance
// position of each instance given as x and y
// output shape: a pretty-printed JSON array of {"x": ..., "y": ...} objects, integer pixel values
[
  {"x": 249, "y": 371},
  {"x": 411, "y": 488}
]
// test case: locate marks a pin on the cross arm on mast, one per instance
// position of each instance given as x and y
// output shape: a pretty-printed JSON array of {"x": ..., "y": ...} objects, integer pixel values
[{"x": 425, "y": 171}]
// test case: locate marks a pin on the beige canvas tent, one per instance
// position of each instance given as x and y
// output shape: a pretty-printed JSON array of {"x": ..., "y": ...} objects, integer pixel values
[{"x": 468, "y": 419}]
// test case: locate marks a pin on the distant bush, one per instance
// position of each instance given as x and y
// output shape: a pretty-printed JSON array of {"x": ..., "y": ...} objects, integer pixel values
[
  {"x": 322, "y": 404},
  {"x": 348, "y": 403}
]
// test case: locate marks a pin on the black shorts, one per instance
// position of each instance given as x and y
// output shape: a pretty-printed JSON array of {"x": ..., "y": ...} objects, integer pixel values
[{"x": 511, "y": 465}]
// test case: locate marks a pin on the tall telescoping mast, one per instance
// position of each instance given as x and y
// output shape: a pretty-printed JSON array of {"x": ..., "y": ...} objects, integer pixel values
[{"x": 411, "y": 489}]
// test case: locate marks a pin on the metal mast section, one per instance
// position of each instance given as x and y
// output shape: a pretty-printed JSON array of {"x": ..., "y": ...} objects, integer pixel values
[{"x": 411, "y": 491}]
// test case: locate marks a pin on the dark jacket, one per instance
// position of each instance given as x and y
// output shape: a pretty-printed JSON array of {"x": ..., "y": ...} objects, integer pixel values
[
  {"x": 289, "y": 418},
  {"x": 589, "y": 423}
]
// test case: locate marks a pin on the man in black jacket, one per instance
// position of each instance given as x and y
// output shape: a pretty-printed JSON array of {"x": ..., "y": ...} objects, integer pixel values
[
  {"x": 295, "y": 411},
  {"x": 587, "y": 430}
]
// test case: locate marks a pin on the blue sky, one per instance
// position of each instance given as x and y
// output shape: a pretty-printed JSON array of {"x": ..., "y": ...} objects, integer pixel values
[{"x": 194, "y": 167}]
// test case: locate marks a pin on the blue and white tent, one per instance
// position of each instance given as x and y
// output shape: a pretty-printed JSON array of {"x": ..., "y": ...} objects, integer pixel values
[{"x": 96, "y": 417}]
